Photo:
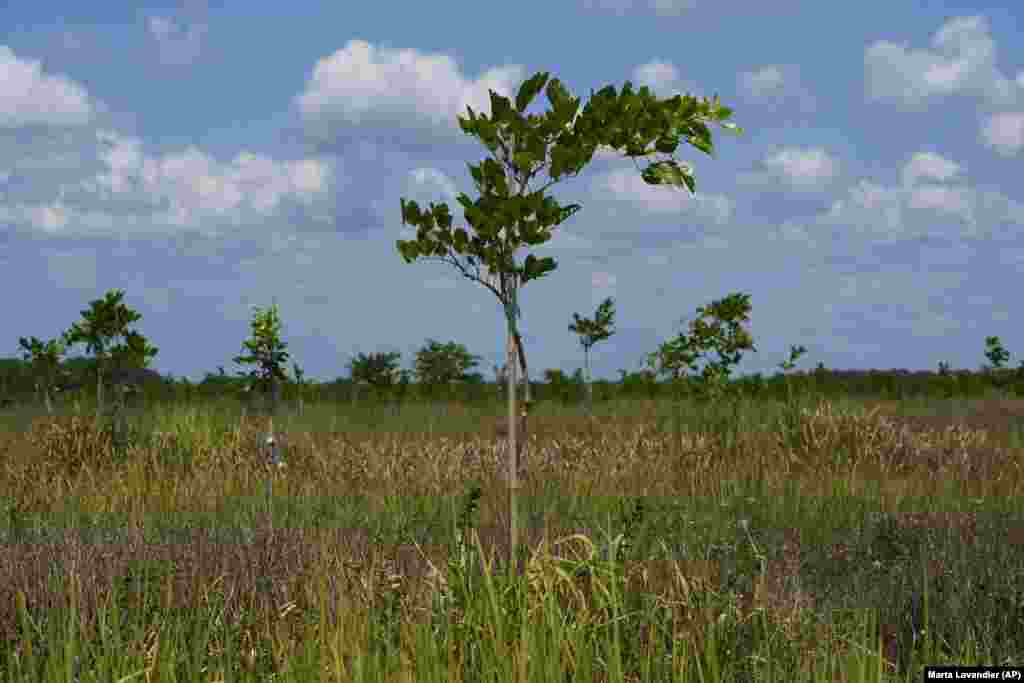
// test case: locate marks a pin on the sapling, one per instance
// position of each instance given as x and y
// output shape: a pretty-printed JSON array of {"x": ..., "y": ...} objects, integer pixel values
[
  {"x": 104, "y": 321},
  {"x": 506, "y": 216},
  {"x": 299, "y": 385},
  {"x": 592, "y": 332},
  {"x": 444, "y": 365},
  {"x": 997, "y": 357},
  {"x": 717, "y": 328},
  {"x": 995, "y": 353},
  {"x": 794, "y": 353},
  {"x": 268, "y": 353},
  {"x": 790, "y": 423},
  {"x": 44, "y": 359},
  {"x": 378, "y": 370}
]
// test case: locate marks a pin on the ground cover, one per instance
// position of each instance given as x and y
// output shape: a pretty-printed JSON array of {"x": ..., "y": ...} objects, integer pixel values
[{"x": 818, "y": 540}]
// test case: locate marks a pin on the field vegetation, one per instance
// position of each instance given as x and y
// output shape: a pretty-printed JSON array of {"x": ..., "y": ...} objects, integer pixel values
[{"x": 800, "y": 536}]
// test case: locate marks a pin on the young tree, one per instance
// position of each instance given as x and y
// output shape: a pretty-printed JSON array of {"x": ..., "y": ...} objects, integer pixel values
[
  {"x": 300, "y": 385},
  {"x": 506, "y": 216},
  {"x": 794, "y": 355},
  {"x": 591, "y": 332},
  {"x": 995, "y": 353},
  {"x": 439, "y": 364},
  {"x": 997, "y": 357},
  {"x": 267, "y": 352},
  {"x": 380, "y": 370},
  {"x": 44, "y": 360},
  {"x": 717, "y": 328},
  {"x": 106, "y": 320}
]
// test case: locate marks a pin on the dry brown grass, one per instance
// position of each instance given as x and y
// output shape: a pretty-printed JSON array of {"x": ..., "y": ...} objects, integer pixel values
[{"x": 580, "y": 457}]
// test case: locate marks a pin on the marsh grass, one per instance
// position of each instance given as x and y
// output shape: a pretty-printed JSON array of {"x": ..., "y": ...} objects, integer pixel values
[{"x": 805, "y": 540}]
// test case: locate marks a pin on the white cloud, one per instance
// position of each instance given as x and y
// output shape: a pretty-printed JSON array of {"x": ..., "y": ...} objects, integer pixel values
[
  {"x": 660, "y": 7},
  {"x": 803, "y": 167},
  {"x": 658, "y": 75},
  {"x": 602, "y": 281},
  {"x": 627, "y": 185},
  {"x": 139, "y": 193},
  {"x": 192, "y": 181},
  {"x": 907, "y": 211},
  {"x": 429, "y": 178},
  {"x": 777, "y": 85},
  {"x": 662, "y": 77},
  {"x": 1005, "y": 131},
  {"x": 28, "y": 96},
  {"x": 962, "y": 61},
  {"x": 928, "y": 165},
  {"x": 361, "y": 83},
  {"x": 767, "y": 80},
  {"x": 951, "y": 200}
]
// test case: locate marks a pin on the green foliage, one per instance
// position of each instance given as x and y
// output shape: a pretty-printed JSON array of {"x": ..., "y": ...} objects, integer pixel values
[
  {"x": 559, "y": 385},
  {"x": 379, "y": 369},
  {"x": 598, "y": 329},
  {"x": 717, "y": 328},
  {"x": 506, "y": 217},
  {"x": 266, "y": 349},
  {"x": 995, "y": 353},
  {"x": 439, "y": 364},
  {"x": 44, "y": 360},
  {"x": 593, "y": 331},
  {"x": 105, "y": 321}
]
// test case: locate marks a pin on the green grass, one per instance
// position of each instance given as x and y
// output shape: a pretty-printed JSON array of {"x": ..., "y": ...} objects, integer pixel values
[{"x": 666, "y": 542}]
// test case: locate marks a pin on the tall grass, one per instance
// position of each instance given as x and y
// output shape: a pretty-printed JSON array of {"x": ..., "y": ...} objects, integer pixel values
[{"x": 799, "y": 540}]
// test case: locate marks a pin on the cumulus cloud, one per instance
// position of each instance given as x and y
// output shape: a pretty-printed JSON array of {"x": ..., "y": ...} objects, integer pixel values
[
  {"x": 28, "y": 96},
  {"x": 802, "y": 169},
  {"x": 776, "y": 85},
  {"x": 627, "y": 185},
  {"x": 962, "y": 60},
  {"x": 192, "y": 181},
  {"x": 189, "y": 189},
  {"x": 928, "y": 165},
  {"x": 659, "y": 7},
  {"x": 1004, "y": 132},
  {"x": 767, "y": 80},
  {"x": 930, "y": 189},
  {"x": 361, "y": 83},
  {"x": 658, "y": 75},
  {"x": 663, "y": 78}
]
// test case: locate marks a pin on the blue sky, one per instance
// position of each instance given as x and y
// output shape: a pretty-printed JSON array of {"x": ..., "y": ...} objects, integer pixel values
[{"x": 208, "y": 158}]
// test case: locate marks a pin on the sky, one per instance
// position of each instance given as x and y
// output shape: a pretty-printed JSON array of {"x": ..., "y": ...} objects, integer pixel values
[{"x": 208, "y": 158}]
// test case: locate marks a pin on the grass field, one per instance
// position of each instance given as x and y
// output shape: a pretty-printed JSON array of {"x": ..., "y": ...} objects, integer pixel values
[{"x": 823, "y": 541}]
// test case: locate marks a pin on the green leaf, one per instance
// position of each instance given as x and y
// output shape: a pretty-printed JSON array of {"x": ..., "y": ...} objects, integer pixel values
[
  {"x": 523, "y": 161},
  {"x": 501, "y": 109},
  {"x": 441, "y": 215},
  {"x": 461, "y": 239},
  {"x": 666, "y": 145},
  {"x": 529, "y": 89},
  {"x": 534, "y": 268}
]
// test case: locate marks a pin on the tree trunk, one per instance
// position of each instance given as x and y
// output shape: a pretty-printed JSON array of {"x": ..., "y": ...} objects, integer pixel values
[
  {"x": 590, "y": 384},
  {"x": 513, "y": 452}
]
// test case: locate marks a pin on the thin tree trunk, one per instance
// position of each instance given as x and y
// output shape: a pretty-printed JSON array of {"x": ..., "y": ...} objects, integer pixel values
[
  {"x": 590, "y": 383},
  {"x": 513, "y": 452}
]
